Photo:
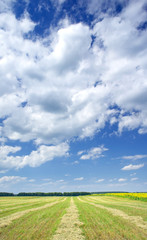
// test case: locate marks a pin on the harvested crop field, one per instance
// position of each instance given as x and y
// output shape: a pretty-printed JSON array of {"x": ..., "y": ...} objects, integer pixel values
[{"x": 86, "y": 217}]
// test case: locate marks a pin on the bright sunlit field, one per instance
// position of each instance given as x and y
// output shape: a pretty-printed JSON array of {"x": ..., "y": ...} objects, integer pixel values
[{"x": 87, "y": 217}]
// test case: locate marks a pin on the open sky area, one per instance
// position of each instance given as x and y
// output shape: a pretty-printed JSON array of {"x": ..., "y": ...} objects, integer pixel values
[{"x": 73, "y": 95}]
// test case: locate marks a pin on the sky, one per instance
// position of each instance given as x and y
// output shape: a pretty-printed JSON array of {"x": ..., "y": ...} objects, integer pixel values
[{"x": 73, "y": 95}]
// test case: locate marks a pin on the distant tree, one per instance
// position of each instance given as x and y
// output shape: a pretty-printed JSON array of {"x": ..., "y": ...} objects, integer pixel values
[
  {"x": 42, "y": 194},
  {"x": 6, "y": 194}
]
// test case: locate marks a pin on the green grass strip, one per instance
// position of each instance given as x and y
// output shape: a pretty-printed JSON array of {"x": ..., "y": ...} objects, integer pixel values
[
  {"x": 130, "y": 210},
  {"x": 99, "y": 224},
  {"x": 38, "y": 225}
]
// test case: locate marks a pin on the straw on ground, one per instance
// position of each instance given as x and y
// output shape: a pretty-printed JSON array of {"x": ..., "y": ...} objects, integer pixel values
[{"x": 69, "y": 227}]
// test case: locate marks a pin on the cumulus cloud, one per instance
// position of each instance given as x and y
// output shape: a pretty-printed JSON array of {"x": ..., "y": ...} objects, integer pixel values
[
  {"x": 32, "y": 180},
  {"x": 112, "y": 180},
  {"x": 75, "y": 162},
  {"x": 6, "y": 5},
  {"x": 3, "y": 171},
  {"x": 122, "y": 180},
  {"x": 63, "y": 86},
  {"x": 132, "y": 167},
  {"x": 132, "y": 174},
  {"x": 134, "y": 179},
  {"x": 93, "y": 153},
  {"x": 51, "y": 108},
  {"x": 100, "y": 180},
  {"x": 6, "y": 150},
  {"x": 35, "y": 158},
  {"x": 124, "y": 63},
  {"x": 12, "y": 179},
  {"x": 109, "y": 7},
  {"x": 80, "y": 152},
  {"x": 60, "y": 181},
  {"x": 78, "y": 179},
  {"x": 135, "y": 157},
  {"x": 58, "y": 2}
]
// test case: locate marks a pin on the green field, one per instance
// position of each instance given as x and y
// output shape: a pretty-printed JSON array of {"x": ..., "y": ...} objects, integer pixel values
[{"x": 86, "y": 217}]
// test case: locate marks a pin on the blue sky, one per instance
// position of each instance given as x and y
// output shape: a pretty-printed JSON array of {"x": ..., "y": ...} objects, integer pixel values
[{"x": 73, "y": 95}]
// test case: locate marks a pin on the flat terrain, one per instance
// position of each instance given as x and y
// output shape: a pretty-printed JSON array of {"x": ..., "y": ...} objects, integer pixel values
[{"x": 77, "y": 218}]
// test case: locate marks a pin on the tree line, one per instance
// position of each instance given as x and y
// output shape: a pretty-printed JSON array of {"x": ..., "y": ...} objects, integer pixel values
[{"x": 31, "y": 194}]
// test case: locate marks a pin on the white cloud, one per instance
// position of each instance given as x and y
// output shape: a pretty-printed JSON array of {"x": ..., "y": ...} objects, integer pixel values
[
  {"x": 53, "y": 107},
  {"x": 78, "y": 179},
  {"x": 58, "y": 2},
  {"x": 12, "y": 179},
  {"x": 61, "y": 1},
  {"x": 135, "y": 157},
  {"x": 61, "y": 87},
  {"x": 122, "y": 180},
  {"x": 132, "y": 167},
  {"x": 97, "y": 7},
  {"x": 134, "y": 179},
  {"x": 35, "y": 158},
  {"x": 132, "y": 174},
  {"x": 113, "y": 179},
  {"x": 46, "y": 179},
  {"x": 3, "y": 171},
  {"x": 32, "y": 180},
  {"x": 6, "y": 5},
  {"x": 94, "y": 153},
  {"x": 124, "y": 63},
  {"x": 80, "y": 152},
  {"x": 6, "y": 150},
  {"x": 100, "y": 180},
  {"x": 75, "y": 162},
  {"x": 60, "y": 181},
  {"x": 67, "y": 175}
]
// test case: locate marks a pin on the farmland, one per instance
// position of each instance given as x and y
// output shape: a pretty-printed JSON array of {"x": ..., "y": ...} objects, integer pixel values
[{"x": 74, "y": 218}]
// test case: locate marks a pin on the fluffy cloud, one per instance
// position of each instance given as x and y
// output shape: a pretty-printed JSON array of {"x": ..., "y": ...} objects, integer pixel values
[
  {"x": 12, "y": 179},
  {"x": 58, "y": 2},
  {"x": 51, "y": 108},
  {"x": 134, "y": 179},
  {"x": 132, "y": 167},
  {"x": 124, "y": 63},
  {"x": 132, "y": 174},
  {"x": 122, "y": 180},
  {"x": 3, "y": 171},
  {"x": 6, "y": 150},
  {"x": 65, "y": 85},
  {"x": 6, "y": 5},
  {"x": 78, "y": 179},
  {"x": 100, "y": 180},
  {"x": 60, "y": 181},
  {"x": 135, "y": 157},
  {"x": 34, "y": 159},
  {"x": 100, "y": 7},
  {"x": 93, "y": 153},
  {"x": 112, "y": 180},
  {"x": 75, "y": 162}
]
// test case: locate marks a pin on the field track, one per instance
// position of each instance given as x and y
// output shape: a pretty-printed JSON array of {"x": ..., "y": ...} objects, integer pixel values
[
  {"x": 72, "y": 218},
  {"x": 69, "y": 227}
]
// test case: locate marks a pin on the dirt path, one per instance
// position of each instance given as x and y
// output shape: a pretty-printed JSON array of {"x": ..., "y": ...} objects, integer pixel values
[
  {"x": 137, "y": 220},
  {"x": 69, "y": 227},
  {"x": 5, "y": 221}
]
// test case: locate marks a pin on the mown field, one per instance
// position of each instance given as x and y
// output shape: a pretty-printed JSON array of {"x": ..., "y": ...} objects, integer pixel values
[{"x": 72, "y": 218}]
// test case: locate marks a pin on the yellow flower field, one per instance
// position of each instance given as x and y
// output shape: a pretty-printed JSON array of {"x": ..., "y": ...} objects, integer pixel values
[{"x": 135, "y": 196}]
